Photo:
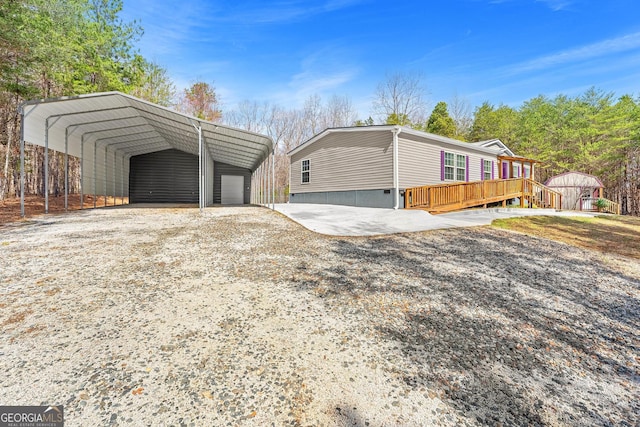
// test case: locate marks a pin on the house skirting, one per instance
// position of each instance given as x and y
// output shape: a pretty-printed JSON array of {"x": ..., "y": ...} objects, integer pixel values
[{"x": 362, "y": 198}]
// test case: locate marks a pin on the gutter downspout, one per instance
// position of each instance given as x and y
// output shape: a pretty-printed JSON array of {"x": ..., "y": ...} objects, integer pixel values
[{"x": 396, "y": 181}]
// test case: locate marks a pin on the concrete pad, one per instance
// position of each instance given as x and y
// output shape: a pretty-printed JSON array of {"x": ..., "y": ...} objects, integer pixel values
[{"x": 338, "y": 220}]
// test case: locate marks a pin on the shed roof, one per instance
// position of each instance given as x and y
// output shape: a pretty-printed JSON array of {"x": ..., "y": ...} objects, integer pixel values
[
  {"x": 574, "y": 180},
  {"x": 132, "y": 126}
]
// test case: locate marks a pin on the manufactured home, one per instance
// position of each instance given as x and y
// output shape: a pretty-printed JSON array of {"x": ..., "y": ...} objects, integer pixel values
[{"x": 372, "y": 166}]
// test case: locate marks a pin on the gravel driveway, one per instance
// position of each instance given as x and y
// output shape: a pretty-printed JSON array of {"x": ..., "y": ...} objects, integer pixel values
[{"x": 241, "y": 317}]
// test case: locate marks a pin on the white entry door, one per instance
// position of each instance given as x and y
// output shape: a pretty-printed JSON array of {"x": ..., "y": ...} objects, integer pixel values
[{"x": 232, "y": 187}]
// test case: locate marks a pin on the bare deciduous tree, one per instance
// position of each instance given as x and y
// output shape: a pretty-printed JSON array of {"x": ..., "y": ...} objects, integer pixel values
[
  {"x": 401, "y": 97},
  {"x": 339, "y": 112},
  {"x": 460, "y": 112},
  {"x": 313, "y": 114},
  {"x": 250, "y": 115}
]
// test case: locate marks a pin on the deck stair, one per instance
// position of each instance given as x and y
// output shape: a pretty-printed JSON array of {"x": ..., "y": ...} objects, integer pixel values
[{"x": 461, "y": 195}]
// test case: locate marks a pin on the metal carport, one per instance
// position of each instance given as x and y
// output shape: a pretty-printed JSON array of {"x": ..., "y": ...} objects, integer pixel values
[{"x": 104, "y": 130}]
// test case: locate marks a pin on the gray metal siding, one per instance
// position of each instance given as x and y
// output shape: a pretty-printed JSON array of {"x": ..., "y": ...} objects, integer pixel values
[
  {"x": 419, "y": 161},
  {"x": 361, "y": 198},
  {"x": 225, "y": 169},
  {"x": 169, "y": 176},
  {"x": 344, "y": 161}
]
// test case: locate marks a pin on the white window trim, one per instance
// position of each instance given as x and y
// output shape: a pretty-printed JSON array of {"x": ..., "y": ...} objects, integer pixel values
[
  {"x": 302, "y": 171},
  {"x": 455, "y": 167},
  {"x": 487, "y": 171}
]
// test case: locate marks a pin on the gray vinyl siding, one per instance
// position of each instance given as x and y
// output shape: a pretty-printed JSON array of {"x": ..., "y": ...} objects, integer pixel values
[
  {"x": 419, "y": 161},
  {"x": 344, "y": 161},
  {"x": 220, "y": 169}
]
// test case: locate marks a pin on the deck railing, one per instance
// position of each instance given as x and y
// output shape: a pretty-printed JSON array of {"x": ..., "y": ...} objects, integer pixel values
[
  {"x": 455, "y": 196},
  {"x": 609, "y": 205},
  {"x": 540, "y": 196}
]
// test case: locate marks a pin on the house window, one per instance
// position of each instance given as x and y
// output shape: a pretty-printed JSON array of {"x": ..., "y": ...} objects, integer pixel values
[
  {"x": 461, "y": 167},
  {"x": 487, "y": 169},
  {"x": 305, "y": 171},
  {"x": 455, "y": 167},
  {"x": 449, "y": 166}
]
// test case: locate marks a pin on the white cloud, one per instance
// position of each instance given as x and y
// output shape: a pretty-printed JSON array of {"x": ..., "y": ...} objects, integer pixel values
[
  {"x": 595, "y": 50},
  {"x": 281, "y": 12},
  {"x": 557, "y": 5}
]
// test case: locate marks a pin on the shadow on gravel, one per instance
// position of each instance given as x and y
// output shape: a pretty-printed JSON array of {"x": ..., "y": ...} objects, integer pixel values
[{"x": 506, "y": 328}]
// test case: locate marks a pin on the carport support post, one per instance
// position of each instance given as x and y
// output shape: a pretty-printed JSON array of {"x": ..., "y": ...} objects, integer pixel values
[
  {"x": 122, "y": 183},
  {"x": 201, "y": 158},
  {"x": 273, "y": 180},
  {"x": 82, "y": 171},
  {"x": 200, "y": 168},
  {"x": 66, "y": 169},
  {"x": 46, "y": 166},
  {"x": 105, "y": 176},
  {"x": 114, "y": 178},
  {"x": 95, "y": 173},
  {"x": 263, "y": 186},
  {"x": 22, "y": 174}
]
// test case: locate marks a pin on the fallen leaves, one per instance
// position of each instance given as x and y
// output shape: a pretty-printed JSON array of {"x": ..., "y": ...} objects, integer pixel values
[{"x": 138, "y": 391}]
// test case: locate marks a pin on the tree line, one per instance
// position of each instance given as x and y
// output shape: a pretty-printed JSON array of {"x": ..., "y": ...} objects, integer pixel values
[
  {"x": 595, "y": 132},
  {"x": 52, "y": 48}
]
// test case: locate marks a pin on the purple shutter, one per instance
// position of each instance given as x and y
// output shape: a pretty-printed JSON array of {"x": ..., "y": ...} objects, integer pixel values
[
  {"x": 492, "y": 174},
  {"x": 467, "y": 170},
  {"x": 442, "y": 165},
  {"x": 481, "y": 169}
]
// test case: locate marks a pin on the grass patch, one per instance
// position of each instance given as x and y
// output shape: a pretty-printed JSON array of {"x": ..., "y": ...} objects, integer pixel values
[{"x": 610, "y": 234}]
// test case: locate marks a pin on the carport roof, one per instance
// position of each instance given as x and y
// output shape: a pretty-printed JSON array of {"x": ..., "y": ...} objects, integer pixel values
[{"x": 132, "y": 126}]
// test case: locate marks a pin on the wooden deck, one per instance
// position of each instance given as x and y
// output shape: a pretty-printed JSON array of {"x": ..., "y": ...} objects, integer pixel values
[{"x": 456, "y": 196}]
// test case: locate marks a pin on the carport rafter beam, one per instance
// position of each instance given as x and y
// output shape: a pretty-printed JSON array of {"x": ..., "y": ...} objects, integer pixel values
[
  {"x": 219, "y": 139},
  {"x": 204, "y": 130},
  {"x": 158, "y": 137},
  {"x": 66, "y": 142},
  {"x": 46, "y": 151},
  {"x": 82, "y": 141},
  {"x": 66, "y": 146},
  {"x": 143, "y": 149}
]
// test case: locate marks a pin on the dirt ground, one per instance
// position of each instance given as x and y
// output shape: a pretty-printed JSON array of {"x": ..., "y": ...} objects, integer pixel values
[
  {"x": 239, "y": 316},
  {"x": 34, "y": 205}
]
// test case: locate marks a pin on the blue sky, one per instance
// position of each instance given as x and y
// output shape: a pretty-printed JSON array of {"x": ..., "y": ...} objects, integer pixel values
[{"x": 501, "y": 51}]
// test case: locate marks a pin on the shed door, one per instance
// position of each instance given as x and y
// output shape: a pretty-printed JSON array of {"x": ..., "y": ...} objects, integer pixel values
[
  {"x": 232, "y": 188},
  {"x": 169, "y": 176}
]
